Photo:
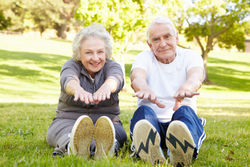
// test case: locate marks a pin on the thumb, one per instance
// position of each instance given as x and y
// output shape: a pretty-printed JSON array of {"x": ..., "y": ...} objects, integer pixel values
[{"x": 177, "y": 104}]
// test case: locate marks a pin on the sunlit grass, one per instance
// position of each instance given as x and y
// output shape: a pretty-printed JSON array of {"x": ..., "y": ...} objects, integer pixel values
[{"x": 29, "y": 90}]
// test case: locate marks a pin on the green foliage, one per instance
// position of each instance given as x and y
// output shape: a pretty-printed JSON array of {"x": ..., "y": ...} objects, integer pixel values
[
  {"x": 235, "y": 36},
  {"x": 220, "y": 21},
  {"x": 40, "y": 15},
  {"x": 118, "y": 17},
  {"x": 124, "y": 20},
  {"x": 4, "y": 22},
  {"x": 217, "y": 22}
]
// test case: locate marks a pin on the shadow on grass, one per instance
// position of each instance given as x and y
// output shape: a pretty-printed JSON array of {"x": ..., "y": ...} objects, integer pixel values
[
  {"x": 230, "y": 78},
  {"x": 223, "y": 61},
  {"x": 26, "y": 64}
]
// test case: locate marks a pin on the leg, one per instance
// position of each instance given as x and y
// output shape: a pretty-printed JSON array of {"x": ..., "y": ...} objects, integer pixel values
[
  {"x": 145, "y": 133},
  {"x": 58, "y": 134},
  {"x": 120, "y": 136},
  {"x": 195, "y": 125},
  {"x": 144, "y": 112},
  {"x": 184, "y": 136}
]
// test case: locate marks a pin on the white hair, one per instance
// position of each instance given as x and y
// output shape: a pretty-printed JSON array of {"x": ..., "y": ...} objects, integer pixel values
[
  {"x": 94, "y": 30},
  {"x": 161, "y": 20}
]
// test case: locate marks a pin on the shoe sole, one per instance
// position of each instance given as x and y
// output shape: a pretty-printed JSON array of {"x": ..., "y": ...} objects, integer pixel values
[
  {"x": 104, "y": 136},
  {"x": 82, "y": 135},
  {"x": 180, "y": 142},
  {"x": 147, "y": 143}
]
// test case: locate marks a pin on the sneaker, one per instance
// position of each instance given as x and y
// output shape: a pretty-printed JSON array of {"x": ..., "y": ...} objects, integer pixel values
[
  {"x": 146, "y": 141},
  {"x": 104, "y": 136},
  {"x": 81, "y": 136},
  {"x": 180, "y": 143}
]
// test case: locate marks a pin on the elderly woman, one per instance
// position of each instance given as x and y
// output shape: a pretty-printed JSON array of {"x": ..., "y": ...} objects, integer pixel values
[{"x": 87, "y": 120}]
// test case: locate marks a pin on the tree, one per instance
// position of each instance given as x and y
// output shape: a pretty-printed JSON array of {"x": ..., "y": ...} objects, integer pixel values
[
  {"x": 40, "y": 15},
  {"x": 14, "y": 10},
  {"x": 124, "y": 19},
  {"x": 217, "y": 22},
  {"x": 119, "y": 17},
  {"x": 4, "y": 22},
  {"x": 65, "y": 14}
]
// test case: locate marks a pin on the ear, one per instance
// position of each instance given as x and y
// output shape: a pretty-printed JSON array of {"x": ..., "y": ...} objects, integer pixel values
[
  {"x": 177, "y": 37},
  {"x": 149, "y": 44}
]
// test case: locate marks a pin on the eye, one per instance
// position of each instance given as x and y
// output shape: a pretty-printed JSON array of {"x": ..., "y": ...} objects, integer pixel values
[
  {"x": 156, "y": 39},
  {"x": 168, "y": 36}
]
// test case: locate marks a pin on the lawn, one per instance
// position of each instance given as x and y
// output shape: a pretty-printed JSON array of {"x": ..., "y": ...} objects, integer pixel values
[{"x": 29, "y": 90}]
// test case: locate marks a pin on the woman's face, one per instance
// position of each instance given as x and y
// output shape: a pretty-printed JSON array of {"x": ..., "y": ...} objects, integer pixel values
[{"x": 93, "y": 55}]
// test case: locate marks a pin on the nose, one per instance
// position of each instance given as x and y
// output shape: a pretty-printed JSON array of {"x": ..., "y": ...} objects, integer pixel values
[
  {"x": 163, "y": 43},
  {"x": 95, "y": 57}
]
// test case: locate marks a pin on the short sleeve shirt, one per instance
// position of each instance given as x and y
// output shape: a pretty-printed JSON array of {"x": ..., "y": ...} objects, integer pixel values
[{"x": 165, "y": 79}]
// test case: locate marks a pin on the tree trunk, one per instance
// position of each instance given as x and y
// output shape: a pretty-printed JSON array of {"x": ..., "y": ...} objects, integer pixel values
[
  {"x": 61, "y": 29},
  {"x": 204, "y": 56}
]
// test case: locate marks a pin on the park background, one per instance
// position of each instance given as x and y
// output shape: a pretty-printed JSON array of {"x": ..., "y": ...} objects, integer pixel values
[{"x": 36, "y": 39}]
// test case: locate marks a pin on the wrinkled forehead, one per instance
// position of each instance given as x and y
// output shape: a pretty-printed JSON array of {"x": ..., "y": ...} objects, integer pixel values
[{"x": 158, "y": 29}]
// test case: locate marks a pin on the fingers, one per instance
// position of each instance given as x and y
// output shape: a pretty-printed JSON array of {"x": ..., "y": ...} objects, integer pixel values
[
  {"x": 83, "y": 96},
  {"x": 161, "y": 105},
  {"x": 177, "y": 104},
  {"x": 101, "y": 96},
  {"x": 149, "y": 96},
  {"x": 182, "y": 94},
  {"x": 76, "y": 97}
]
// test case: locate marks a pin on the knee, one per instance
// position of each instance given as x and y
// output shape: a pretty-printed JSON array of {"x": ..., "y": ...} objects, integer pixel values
[
  {"x": 50, "y": 136},
  {"x": 144, "y": 111},
  {"x": 185, "y": 110}
]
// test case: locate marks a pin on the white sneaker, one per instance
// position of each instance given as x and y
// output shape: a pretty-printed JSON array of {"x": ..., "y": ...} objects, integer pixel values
[
  {"x": 104, "y": 136},
  {"x": 147, "y": 142},
  {"x": 81, "y": 137},
  {"x": 180, "y": 143}
]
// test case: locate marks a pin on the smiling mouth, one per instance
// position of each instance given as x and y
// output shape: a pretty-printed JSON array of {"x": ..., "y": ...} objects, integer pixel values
[
  {"x": 95, "y": 64},
  {"x": 165, "y": 50}
]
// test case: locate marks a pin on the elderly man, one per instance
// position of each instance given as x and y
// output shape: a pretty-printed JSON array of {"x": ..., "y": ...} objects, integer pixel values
[{"x": 165, "y": 80}]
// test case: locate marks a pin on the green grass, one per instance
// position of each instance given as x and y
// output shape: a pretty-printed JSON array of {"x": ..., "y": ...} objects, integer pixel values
[{"x": 29, "y": 90}]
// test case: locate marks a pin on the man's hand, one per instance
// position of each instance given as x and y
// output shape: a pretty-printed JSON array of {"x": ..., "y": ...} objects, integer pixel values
[
  {"x": 149, "y": 95},
  {"x": 180, "y": 95}
]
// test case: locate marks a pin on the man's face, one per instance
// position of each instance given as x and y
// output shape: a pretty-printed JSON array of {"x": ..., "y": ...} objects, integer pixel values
[{"x": 163, "y": 42}]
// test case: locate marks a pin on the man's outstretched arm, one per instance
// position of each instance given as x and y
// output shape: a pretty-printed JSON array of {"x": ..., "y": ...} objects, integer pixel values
[
  {"x": 195, "y": 77},
  {"x": 141, "y": 88}
]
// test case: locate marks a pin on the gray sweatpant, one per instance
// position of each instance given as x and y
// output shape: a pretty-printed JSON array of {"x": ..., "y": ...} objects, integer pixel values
[{"x": 58, "y": 134}]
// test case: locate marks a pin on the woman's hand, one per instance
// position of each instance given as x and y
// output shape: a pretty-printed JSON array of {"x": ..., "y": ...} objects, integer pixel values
[
  {"x": 83, "y": 95},
  {"x": 109, "y": 86},
  {"x": 102, "y": 93},
  {"x": 73, "y": 88}
]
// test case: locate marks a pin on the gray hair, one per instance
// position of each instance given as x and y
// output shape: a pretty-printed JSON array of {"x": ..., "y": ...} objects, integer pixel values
[
  {"x": 161, "y": 20},
  {"x": 94, "y": 30}
]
